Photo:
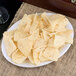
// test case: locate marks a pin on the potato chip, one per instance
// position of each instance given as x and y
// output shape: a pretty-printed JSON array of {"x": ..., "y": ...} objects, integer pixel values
[
  {"x": 41, "y": 24},
  {"x": 24, "y": 21},
  {"x": 59, "y": 19},
  {"x": 34, "y": 24},
  {"x": 51, "y": 42},
  {"x": 69, "y": 40},
  {"x": 59, "y": 28},
  {"x": 51, "y": 53},
  {"x": 27, "y": 28},
  {"x": 56, "y": 41},
  {"x": 56, "y": 28},
  {"x": 30, "y": 57},
  {"x": 59, "y": 41},
  {"x": 19, "y": 35},
  {"x": 29, "y": 23},
  {"x": 18, "y": 57},
  {"x": 57, "y": 22},
  {"x": 39, "y": 49},
  {"x": 9, "y": 34},
  {"x": 34, "y": 35},
  {"x": 45, "y": 35},
  {"x": 36, "y": 57},
  {"x": 42, "y": 58},
  {"x": 9, "y": 45},
  {"x": 45, "y": 18},
  {"x": 31, "y": 16},
  {"x": 25, "y": 46},
  {"x": 67, "y": 35},
  {"x": 40, "y": 43}
]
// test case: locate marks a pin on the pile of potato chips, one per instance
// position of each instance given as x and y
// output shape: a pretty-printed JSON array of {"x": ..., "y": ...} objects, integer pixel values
[{"x": 38, "y": 38}]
